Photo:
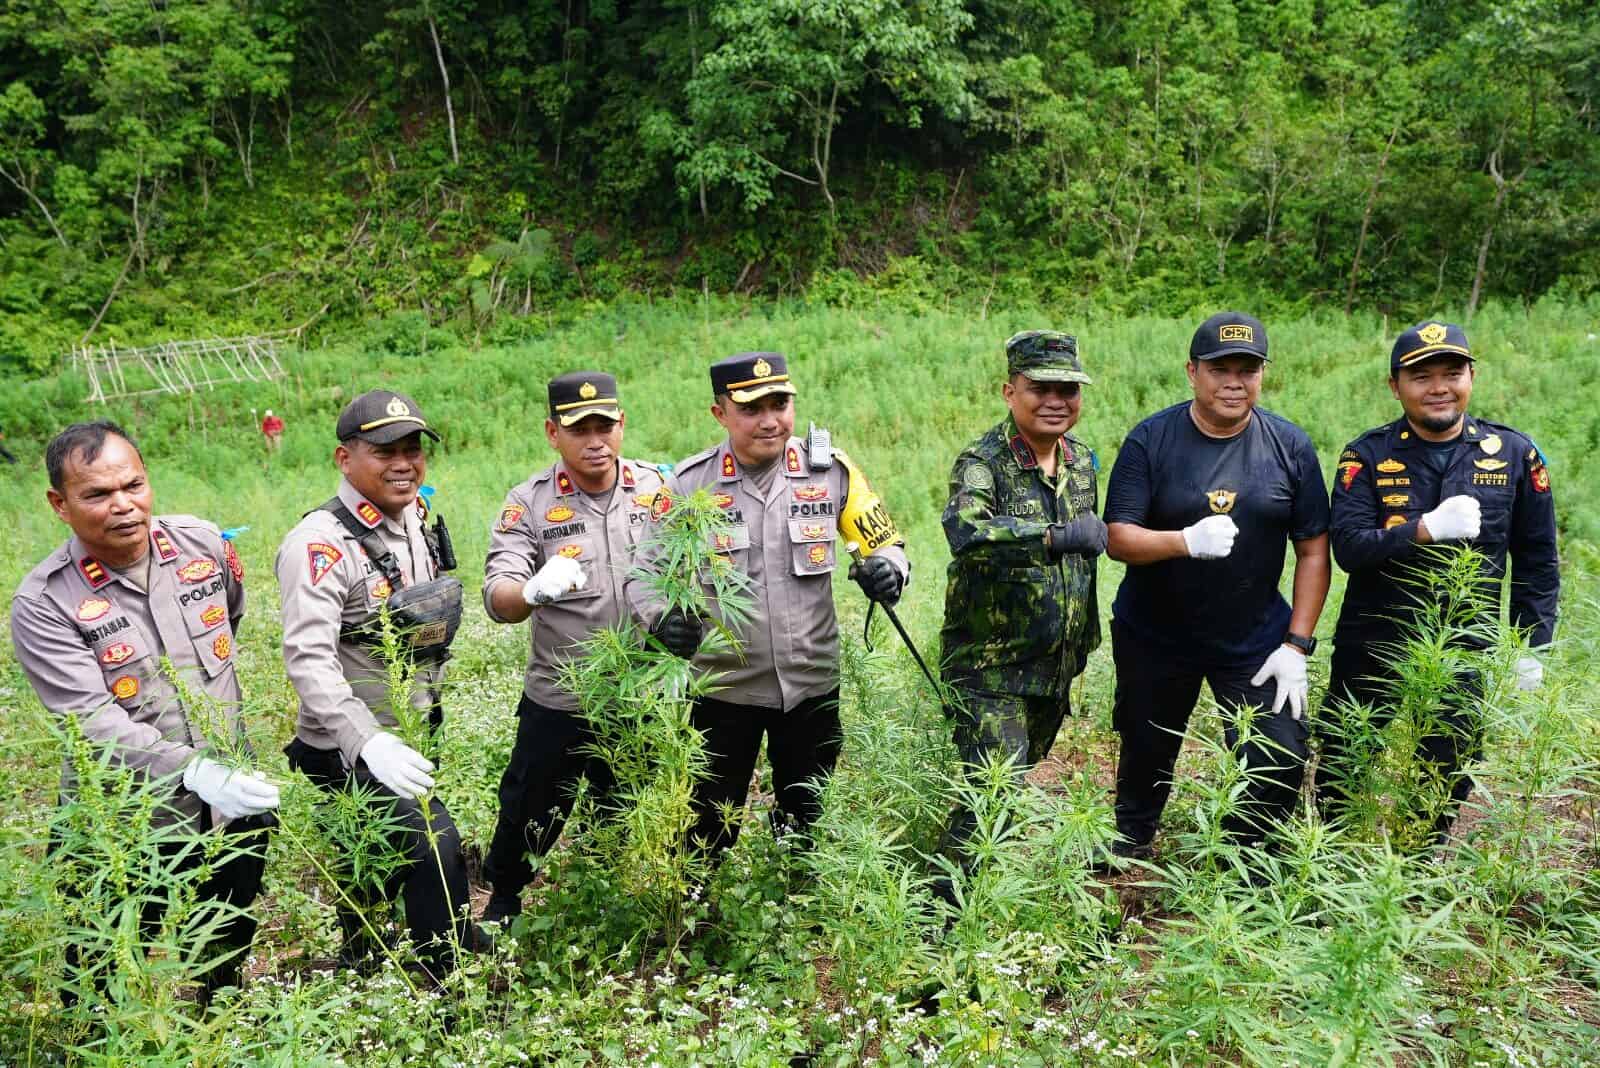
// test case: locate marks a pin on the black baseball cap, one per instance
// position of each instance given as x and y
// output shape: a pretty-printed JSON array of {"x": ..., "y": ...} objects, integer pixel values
[
  {"x": 748, "y": 376},
  {"x": 1425, "y": 341},
  {"x": 1229, "y": 333},
  {"x": 580, "y": 394},
  {"x": 382, "y": 416}
]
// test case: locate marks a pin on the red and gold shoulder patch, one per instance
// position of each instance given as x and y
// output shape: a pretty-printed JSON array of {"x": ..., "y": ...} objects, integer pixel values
[
  {"x": 791, "y": 459},
  {"x": 92, "y": 608},
  {"x": 728, "y": 468},
  {"x": 558, "y": 513},
  {"x": 368, "y": 513},
  {"x": 571, "y": 552},
  {"x": 213, "y": 615},
  {"x": 563, "y": 483},
  {"x": 164, "y": 547},
  {"x": 222, "y": 648},
  {"x": 116, "y": 653},
  {"x": 510, "y": 516},
  {"x": 817, "y": 554},
  {"x": 321, "y": 557},
  {"x": 197, "y": 570},
  {"x": 126, "y": 688},
  {"x": 93, "y": 573},
  {"x": 1348, "y": 470},
  {"x": 811, "y": 491},
  {"x": 230, "y": 556},
  {"x": 1539, "y": 475}
]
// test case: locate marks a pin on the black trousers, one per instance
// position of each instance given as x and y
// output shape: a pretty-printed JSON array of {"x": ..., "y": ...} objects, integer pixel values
[
  {"x": 548, "y": 760},
  {"x": 1155, "y": 695},
  {"x": 1358, "y": 675},
  {"x": 803, "y": 745},
  {"x": 235, "y": 882},
  {"x": 432, "y": 885}
]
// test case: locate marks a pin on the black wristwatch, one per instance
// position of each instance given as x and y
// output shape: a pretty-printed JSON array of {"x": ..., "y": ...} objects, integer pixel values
[{"x": 1305, "y": 645}]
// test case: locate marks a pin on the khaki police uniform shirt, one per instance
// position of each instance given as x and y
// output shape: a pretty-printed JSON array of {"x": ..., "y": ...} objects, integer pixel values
[
  {"x": 784, "y": 540},
  {"x": 326, "y": 582},
  {"x": 90, "y": 642},
  {"x": 549, "y": 516}
]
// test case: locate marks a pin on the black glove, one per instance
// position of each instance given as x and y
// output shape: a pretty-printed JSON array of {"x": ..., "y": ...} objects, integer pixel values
[
  {"x": 1085, "y": 534},
  {"x": 678, "y": 633},
  {"x": 878, "y": 578}
]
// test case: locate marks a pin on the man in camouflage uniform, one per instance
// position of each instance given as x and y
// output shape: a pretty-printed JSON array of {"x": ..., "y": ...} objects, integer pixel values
[
  {"x": 789, "y": 500},
  {"x": 558, "y": 555},
  {"x": 91, "y": 625},
  {"x": 1020, "y": 617}
]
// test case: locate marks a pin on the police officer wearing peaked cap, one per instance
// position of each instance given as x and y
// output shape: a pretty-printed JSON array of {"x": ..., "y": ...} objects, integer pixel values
[
  {"x": 1436, "y": 475},
  {"x": 1203, "y": 500},
  {"x": 336, "y": 569},
  {"x": 787, "y": 498},
  {"x": 557, "y": 556},
  {"x": 91, "y": 625},
  {"x": 1020, "y": 615}
]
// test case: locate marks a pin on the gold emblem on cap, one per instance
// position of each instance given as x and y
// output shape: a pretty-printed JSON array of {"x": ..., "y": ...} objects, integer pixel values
[
  {"x": 1432, "y": 334},
  {"x": 398, "y": 408},
  {"x": 761, "y": 369},
  {"x": 1490, "y": 444},
  {"x": 1237, "y": 332},
  {"x": 587, "y": 391}
]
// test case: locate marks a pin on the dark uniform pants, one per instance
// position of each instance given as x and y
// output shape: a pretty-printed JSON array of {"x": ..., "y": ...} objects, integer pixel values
[
  {"x": 1358, "y": 675},
  {"x": 999, "y": 727},
  {"x": 1154, "y": 698},
  {"x": 548, "y": 759},
  {"x": 433, "y": 886},
  {"x": 802, "y": 747},
  {"x": 235, "y": 882}
]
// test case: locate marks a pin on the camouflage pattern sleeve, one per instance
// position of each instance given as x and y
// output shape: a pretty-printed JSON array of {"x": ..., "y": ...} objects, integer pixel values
[{"x": 971, "y": 523}]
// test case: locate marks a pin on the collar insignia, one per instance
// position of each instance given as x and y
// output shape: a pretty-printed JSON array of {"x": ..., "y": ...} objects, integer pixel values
[
  {"x": 627, "y": 477},
  {"x": 368, "y": 513},
  {"x": 728, "y": 468},
  {"x": 791, "y": 460},
  {"x": 93, "y": 573},
  {"x": 164, "y": 547},
  {"x": 563, "y": 483}
]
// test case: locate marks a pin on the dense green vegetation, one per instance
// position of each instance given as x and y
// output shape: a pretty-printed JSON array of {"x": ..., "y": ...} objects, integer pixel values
[
  {"x": 1343, "y": 953},
  {"x": 205, "y": 166}
]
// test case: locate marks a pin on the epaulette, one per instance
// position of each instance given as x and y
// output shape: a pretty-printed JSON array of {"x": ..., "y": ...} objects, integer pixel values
[
  {"x": 543, "y": 476},
  {"x": 698, "y": 458}
]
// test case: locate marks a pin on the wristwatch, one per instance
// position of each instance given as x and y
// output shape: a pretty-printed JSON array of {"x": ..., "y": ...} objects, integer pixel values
[{"x": 1305, "y": 645}]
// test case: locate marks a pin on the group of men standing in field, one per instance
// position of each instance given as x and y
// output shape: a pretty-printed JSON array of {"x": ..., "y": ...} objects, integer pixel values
[{"x": 1205, "y": 498}]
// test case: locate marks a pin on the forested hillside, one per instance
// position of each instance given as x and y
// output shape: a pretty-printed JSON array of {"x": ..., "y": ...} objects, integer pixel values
[{"x": 489, "y": 168}]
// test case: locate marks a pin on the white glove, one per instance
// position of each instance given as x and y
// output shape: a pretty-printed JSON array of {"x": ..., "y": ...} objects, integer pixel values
[
  {"x": 232, "y": 792},
  {"x": 1456, "y": 518},
  {"x": 397, "y": 765},
  {"x": 1530, "y": 673},
  {"x": 1288, "y": 667},
  {"x": 1211, "y": 538},
  {"x": 557, "y": 576}
]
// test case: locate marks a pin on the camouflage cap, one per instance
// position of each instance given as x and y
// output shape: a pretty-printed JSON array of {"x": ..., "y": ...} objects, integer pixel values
[{"x": 1045, "y": 356}]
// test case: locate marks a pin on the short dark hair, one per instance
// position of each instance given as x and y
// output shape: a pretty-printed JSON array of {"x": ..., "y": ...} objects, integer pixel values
[{"x": 87, "y": 438}]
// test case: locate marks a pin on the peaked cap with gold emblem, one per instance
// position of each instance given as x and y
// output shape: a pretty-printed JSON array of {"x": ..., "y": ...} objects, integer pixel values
[
  {"x": 580, "y": 394},
  {"x": 382, "y": 416},
  {"x": 748, "y": 376},
  {"x": 1425, "y": 341}
]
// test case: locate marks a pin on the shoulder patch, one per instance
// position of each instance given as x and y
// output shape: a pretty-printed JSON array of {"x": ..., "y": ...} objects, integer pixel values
[
  {"x": 977, "y": 476},
  {"x": 510, "y": 516},
  {"x": 320, "y": 558},
  {"x": 230, "y": 556},
  {"x": 1348, "y": 470},
  {"x": 1350, "y": 454}
]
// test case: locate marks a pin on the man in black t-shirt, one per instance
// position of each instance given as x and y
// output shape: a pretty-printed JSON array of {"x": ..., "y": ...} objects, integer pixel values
[{"x": 1203, "y": 499}]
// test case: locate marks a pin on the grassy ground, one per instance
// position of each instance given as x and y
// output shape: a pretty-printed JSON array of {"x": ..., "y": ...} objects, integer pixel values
[{"x": 1348, "y": 954}]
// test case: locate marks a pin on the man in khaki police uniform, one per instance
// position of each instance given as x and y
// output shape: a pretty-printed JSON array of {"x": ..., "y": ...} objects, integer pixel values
[
  {"x": 90, "y": 625},
  {"x": 558, "y": 554},
  {"x": 785, "y": 497},
  {"x": 332, "y": 588}
]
